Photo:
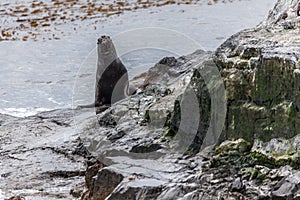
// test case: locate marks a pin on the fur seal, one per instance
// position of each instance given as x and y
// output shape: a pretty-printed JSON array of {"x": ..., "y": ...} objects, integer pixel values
[{"x": 112, "y": 82}]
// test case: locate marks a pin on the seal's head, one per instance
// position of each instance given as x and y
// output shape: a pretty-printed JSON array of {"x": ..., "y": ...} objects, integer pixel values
[
  {"x": 105, "y": 45},
  {"x": 106, "y": 52},
  {"x": 103, "y": 38}
]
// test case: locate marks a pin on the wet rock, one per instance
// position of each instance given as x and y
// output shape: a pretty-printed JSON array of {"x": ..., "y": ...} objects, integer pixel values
[
  {"x": 281, "y": 7},
  {"x": 169, "y": 61},
  {"x": 288, "y": 187},
  {"x": 145, "y": 148},
  {"x": 38, "y": 156},
  {"x": 78, "y": 190},
  {"x": 196, "y": 110},
  {"x": 180, "y": 191},
  {"x": 92, "y": 171},
  {"x": 237, "y": 185},
  {"x": 113, "y": 137},
  {"x": 104, "y": 183},
  {"x": 239, "y": 146},
  {"x": 107, "y": 120},
  {"x": 16, "y": 198},
  {"x": 279, "y": 151},
  {"x": 289, "y": 25},
  {"x": 135, "y": 192},
  {"x": 258, "y": 66},
  {"x": 81, "y": 150}
]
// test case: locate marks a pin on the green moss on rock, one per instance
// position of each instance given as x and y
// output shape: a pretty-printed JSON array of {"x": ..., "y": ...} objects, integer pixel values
[
  {"x": 276, "y": 161},
  {"x": 238, "y": 146}
]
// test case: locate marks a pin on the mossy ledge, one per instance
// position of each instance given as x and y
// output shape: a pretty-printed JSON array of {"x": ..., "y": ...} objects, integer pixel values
[{"x": 260, "y": 67}]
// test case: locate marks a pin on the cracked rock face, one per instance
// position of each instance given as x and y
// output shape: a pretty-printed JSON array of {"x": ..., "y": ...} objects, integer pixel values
[
  {"x": 40, "y": 157},
  {"x": 260, "y": 67}
]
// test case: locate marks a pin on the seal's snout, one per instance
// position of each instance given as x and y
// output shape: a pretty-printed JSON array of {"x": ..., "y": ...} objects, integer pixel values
[{"x": 103, "y": 38}]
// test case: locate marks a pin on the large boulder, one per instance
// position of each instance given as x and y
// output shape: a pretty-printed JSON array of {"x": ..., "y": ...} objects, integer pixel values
[{"x": 261, "y": 73}]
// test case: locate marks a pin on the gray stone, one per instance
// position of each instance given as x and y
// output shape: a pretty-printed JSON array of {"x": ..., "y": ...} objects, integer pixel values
[
  {"x": 237, "y": 185},
  {"x": 287, "y": 187}
]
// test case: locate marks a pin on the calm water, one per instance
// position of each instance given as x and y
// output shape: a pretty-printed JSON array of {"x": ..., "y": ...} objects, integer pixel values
[{"x": 45, "y": 75}]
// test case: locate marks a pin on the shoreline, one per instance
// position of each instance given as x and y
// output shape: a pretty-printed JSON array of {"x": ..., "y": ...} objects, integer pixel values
[{"x": 37, "y": 18}]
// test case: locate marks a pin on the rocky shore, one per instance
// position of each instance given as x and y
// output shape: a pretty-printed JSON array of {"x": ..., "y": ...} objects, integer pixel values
[{"x": 210, "y": 125}]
